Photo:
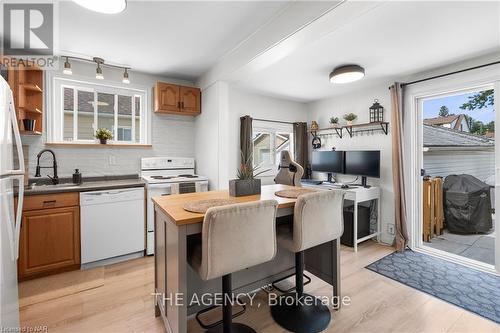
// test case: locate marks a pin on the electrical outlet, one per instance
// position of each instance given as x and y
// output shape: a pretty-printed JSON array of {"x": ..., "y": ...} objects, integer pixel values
[
  {"x": 112, "y": 160},
  {"x": 390, "y": 229}
]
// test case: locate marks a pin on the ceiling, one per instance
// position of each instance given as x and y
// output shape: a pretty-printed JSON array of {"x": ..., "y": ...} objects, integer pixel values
[
  {"x": 171, "y": 38},
  {"x": 393, "y": 40}
]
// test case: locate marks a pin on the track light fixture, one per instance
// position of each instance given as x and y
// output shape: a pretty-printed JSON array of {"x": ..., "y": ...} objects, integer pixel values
[
  {"x": 125, "y": 77},
  {"x": 67, "y": 67},
  {"x": 99, "y": 69}
]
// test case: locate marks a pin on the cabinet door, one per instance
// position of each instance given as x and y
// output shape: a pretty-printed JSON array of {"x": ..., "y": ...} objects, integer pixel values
[
  {"x": 167, "y": 97},
  {"x": 190, "y": 100},
  {"x": 50, "y": 241}
]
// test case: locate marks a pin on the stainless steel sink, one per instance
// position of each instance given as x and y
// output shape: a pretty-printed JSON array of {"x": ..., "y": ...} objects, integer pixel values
[{"x": 48, "y": 186}]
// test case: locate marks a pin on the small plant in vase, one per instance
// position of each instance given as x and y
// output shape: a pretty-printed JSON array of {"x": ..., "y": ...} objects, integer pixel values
[
  {"x": 349, "y": 118},
  {"x": 103, "y": 134},
  {"x": 334, "y": 122},
  {"x": 246, "y": 183}
]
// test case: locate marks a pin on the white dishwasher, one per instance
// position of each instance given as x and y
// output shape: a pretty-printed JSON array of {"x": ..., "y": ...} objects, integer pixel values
[{"x": 111, "y": 223}]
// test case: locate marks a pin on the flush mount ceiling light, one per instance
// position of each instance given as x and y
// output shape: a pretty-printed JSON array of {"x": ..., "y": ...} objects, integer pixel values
[
  {"x": 347, "y": 73},
  {"x": 98, "y": 71},
  {"x": 103, "y": 6},
  {"x": 67, "y": 67}
]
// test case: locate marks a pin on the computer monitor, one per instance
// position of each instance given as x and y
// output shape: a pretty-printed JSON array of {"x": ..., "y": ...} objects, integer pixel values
[
  {"x": 364, "y": 163},
  {"x": 328, "y": 161}
]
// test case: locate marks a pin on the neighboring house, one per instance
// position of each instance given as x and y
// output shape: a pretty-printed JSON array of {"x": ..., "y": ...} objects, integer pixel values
[
  {"x": 453, "y": 121},
  {"x": 448, "y": 152},
  {"x": 262, "y": 143}
]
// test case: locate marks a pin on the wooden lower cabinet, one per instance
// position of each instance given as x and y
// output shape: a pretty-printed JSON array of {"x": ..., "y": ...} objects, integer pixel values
[{"x": 49, "y": 241}]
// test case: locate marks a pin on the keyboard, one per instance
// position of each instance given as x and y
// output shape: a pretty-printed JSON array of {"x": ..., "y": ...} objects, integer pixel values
[{"x": 312, "y": 181}]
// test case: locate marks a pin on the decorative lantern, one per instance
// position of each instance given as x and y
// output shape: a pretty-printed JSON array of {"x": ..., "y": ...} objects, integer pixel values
[{"x": 376, "y": 112}]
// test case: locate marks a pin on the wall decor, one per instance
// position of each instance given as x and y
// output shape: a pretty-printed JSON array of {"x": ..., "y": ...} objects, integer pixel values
[
  {"x": 350, "y": 117},
  {"x": 376, "y": 112},
  {"x": 314, "y": 126},
  {"x": 334, "y": 122}
]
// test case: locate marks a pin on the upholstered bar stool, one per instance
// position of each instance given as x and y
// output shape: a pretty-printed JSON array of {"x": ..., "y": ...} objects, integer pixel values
[
  {"x": 318, "y": 219},
  {"x": 233, "y": 238}
]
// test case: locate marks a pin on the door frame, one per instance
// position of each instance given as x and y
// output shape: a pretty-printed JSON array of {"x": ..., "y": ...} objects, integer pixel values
[{"x": 413, "y": 102}]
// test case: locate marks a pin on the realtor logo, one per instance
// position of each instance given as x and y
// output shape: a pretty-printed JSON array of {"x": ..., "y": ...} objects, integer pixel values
[{"x": 28, "y": 29}]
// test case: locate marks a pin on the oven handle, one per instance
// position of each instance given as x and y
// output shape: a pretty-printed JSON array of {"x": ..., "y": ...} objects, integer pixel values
[{"x": 159, "y": 185}]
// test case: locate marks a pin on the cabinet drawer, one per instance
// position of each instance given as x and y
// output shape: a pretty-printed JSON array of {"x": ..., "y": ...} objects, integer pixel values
[{"x": 43, "y": 201}]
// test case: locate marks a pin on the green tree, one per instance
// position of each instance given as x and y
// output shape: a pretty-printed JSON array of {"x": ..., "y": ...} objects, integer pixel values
[
  {"x": 444, "y": 111},
  {"x": 480, "y": 100}
]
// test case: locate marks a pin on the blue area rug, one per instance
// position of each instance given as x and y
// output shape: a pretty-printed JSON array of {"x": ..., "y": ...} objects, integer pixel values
[{"x": 470, "y": 289}]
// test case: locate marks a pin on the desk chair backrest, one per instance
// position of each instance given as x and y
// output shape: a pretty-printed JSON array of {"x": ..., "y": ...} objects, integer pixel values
[{"x": 290, "y": 172}]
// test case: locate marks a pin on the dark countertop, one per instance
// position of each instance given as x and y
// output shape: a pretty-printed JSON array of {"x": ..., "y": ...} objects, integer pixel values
[{"x": 43, "y": 186}]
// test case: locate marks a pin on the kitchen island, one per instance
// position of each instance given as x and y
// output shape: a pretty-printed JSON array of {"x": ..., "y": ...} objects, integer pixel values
[{"x": 176, "y": 282}]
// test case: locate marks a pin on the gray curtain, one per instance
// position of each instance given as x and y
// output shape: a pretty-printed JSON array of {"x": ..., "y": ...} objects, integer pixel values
[
  {"x": 401, "y": 241},
  {"x": 246, "y": 139},
  {"x": 301, "y": 144}
]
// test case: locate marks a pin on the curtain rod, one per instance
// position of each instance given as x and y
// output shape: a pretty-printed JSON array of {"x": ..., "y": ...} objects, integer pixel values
[
  {"x": 451, "y": 73},
  {"x": 274, "y": 121}
]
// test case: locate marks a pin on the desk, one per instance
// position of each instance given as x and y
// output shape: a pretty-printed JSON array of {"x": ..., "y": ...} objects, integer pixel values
[
  {"x": 357, "y": 195},
  {"x": 174, "y": 276}
]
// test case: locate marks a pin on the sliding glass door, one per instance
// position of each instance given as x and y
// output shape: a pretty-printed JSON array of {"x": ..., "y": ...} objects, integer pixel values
[{"x": 456, "y": 175}]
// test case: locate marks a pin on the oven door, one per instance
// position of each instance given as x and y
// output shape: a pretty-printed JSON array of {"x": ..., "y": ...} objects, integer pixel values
[{"x": 154, "y": 190}]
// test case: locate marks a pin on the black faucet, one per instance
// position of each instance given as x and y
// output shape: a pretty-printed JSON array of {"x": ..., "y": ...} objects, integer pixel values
[{"x": 55, "y": 179}]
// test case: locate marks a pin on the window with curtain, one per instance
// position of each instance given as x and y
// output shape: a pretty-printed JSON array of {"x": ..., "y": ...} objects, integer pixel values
[{"x": 269, "y": 140}]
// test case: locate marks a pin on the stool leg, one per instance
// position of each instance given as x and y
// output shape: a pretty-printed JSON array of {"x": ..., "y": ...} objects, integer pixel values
[
  {"x": 299, "y": 273},
  {"x": 227, "y": 316},
  {"x": 227, "y": 312},
  {"x": 297, "y": 311}
]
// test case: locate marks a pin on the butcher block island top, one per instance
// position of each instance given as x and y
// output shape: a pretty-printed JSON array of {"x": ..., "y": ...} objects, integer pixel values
[{"x": 173, "y": 205}]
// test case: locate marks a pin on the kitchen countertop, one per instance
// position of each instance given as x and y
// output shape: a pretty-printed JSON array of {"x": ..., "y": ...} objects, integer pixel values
[{"x": 89, "y": 184}]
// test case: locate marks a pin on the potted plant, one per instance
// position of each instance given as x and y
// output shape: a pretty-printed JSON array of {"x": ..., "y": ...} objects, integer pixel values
[
  {"x": 103, "y": 134},
  {"x": 246, "y": 183},
  {"x": 350, "y": 117},
  {"x": 334, "y": 122}
]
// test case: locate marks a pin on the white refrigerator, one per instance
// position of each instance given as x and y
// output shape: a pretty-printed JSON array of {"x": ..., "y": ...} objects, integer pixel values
[{"x": 10, "y": 220}]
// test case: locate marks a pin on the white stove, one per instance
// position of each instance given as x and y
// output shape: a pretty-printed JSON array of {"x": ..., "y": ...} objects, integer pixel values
[{"x": 166, "y": 176}]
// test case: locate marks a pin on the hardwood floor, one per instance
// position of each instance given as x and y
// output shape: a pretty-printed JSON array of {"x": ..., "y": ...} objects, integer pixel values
[{"x": 378, "y": 304}]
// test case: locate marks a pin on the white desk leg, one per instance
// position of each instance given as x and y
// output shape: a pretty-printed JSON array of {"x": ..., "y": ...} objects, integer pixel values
[
  {"x": 379, "y": 220},
  {"x": 355, "y": 225}
]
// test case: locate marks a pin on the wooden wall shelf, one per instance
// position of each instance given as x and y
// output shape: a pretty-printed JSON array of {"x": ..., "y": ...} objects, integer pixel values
[
  {"x": 31, "y": 87},
  {"x": 26, "y": 82},
  {"x": 382, "y": 126}
]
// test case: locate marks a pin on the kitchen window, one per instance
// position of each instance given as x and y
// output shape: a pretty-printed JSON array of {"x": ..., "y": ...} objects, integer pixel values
[
  {"x": 269, "y": 140},
  {"x": 80, "y": 108}
]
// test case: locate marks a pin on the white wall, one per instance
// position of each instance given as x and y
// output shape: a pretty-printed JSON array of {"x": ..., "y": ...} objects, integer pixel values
[
  {"x": 210, "y": 129},
  {"x": 171, "y": 135},
  {"x": 218, "y": 128},
  {"x": 241, "y": 103},
  {"x": 358, "y": 103}
]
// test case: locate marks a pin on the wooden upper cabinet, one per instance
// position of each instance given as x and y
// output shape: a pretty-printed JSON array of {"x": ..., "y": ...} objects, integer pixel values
[
  {"x": 167, "y": 97},
  {"x": 174, "y": 99},
  {"x": 190, "y": 100}
]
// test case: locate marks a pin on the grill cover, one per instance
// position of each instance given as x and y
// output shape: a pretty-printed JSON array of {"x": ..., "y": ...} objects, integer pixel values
[{"x": 467, "y": 205}]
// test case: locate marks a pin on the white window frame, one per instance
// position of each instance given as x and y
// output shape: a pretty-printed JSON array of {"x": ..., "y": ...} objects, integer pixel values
[
  {"x": 272, "y": 128},
  {"x": 469, "y": 81},
  {"x": 55, "y": 130}
]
